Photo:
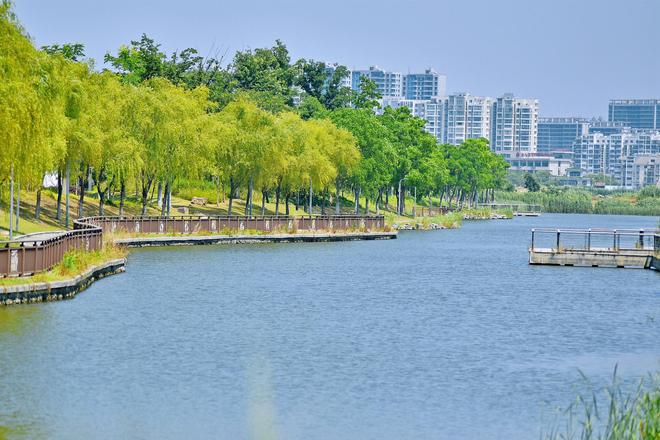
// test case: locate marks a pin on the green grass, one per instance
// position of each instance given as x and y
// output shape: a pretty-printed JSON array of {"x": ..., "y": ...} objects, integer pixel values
[
  {"x": 450, "y": 220},
  {"x": 612, "y": 414},
  {"x": 73, "y": 264}
]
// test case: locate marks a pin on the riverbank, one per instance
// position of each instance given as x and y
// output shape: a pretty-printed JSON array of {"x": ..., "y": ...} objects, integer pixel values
[
  {"x": 33, "y": 291},
  {"x": 316, "y": 237}
]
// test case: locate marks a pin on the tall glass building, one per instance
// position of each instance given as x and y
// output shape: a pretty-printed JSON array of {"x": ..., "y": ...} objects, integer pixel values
[
  {"x": 636, "y": 113},
  {"x": 558, "y": 134}
]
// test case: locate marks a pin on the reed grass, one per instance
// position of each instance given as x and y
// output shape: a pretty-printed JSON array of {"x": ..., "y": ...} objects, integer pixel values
[{"x": 612, "y": 413}]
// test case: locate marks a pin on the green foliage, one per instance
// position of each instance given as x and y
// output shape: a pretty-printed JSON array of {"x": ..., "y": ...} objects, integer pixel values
[
  {"x": 367, "y": 96},
  {"x": 573, "y": 200},
  {"x": 157, "y": 120},
  {"x": 531, "y": 183},
  {"x": 634, "y": 416}
]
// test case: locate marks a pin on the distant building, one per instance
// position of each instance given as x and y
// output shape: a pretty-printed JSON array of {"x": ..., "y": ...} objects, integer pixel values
[
  {"x": 427, "y": 85},
  {"x": 390, "y": 84},
  {"x": 514, "y": 125},
  {"x": 615, "y": 155},
  {"x": 558, "y": 134},
  {"x": 432, "y": 111},
  {"x": 642, "y": 171},
  {"x": 330, "y": 69},
  {"x": 466, "y": 117},
  {"x": 589, "y": 153},
  {"x": 556, "y": 166},
  {"x": 636, "y": 113},
  {"x": 606, "y": 127}
]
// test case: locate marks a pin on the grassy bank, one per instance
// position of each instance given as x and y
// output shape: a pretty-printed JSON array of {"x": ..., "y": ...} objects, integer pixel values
[
  {"x": 73, "y": 264},
  {"x": 583, "y": 201}
]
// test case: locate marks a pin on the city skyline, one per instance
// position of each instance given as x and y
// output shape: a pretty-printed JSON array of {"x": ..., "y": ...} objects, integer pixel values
[{"x": 555, "y": 42}]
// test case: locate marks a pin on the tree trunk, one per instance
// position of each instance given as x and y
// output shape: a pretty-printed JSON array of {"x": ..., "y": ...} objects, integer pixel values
[
  {"x": 169, "y": 201},
  {"x": 122, "y": 196},
  {"x": 18, "y": 207},
  {"x": 232, "y": 190},
  {"x": 66, "y": 195},
  {"x": 159, "y": 200},
  {"x": 278, "y": 191},
  {"x": 286, "y": 204},
  {"x": 248, "y": 197},
  {"x": 146, "y": 186},
  {"x": 366, "y": 206},
  {"x": 81, "y": 189},
  {"x": 264, "y": 194},
  {"x": 59, "y": 195},
  {"x": 337, "y": 196},
  {"x": 101, "y": 202},
  {"x": 311, "y": 195},
  {"x": 37, "y": 209},
  {"x": 163, "y": 206},
  {"x": 357, "y": 201},
  {"x": 387, "y": 198}
]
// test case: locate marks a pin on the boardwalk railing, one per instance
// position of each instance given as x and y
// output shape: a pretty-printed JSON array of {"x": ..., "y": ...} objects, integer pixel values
[
  {"x": 188, "y": 224},
  {"x": 41, "y": 252},
  {"x": 611, "y": 240},
  {"x": 424, "y": 211}
]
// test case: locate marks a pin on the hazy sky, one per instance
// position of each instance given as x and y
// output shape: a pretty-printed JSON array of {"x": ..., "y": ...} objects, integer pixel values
[{"x": 573, "y": 55}]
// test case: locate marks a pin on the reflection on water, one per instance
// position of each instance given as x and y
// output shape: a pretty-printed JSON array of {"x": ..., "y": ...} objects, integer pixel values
[
  {"x": 261, "y": 405},
  {"x": 436, "y": 335}
]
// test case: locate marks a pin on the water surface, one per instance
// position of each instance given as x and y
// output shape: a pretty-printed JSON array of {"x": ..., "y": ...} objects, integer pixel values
[{"x": 436, "y": 335}]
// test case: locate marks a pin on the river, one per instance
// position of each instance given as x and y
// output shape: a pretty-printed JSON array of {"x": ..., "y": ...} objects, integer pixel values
[{"x": 436, "y": 335}]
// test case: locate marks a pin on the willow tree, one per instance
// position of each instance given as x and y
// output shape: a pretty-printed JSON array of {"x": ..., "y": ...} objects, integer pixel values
[
  {"x": 246, "y": 148},
  {"x": 26, "y": 95}
]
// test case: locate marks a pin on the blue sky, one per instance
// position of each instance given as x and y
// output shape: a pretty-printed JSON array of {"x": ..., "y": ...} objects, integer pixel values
[{"x": 573, "y": 55}]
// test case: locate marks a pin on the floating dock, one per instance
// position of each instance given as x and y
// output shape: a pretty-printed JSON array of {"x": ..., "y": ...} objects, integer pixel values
[{"x": 626, "y": 248}]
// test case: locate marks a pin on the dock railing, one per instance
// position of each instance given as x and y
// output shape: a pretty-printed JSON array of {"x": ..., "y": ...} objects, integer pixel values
[{"x": 595, "y": 239}]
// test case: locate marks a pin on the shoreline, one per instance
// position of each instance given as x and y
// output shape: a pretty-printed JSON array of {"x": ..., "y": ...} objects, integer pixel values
[{"x": 58, "y": 290}]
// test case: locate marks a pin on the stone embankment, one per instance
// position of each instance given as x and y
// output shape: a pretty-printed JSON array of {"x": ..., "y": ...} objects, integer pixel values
[
  {"x": 246, "y": 239},
  {"x": 58, "y": 290}
]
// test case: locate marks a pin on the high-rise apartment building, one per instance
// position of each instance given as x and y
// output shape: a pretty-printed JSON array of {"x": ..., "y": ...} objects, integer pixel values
[
  {"x": 559, "y": 134},
  {"x": 331, "y": 68},
  {"x": 614, "y": 155},
  {"x": 636, "y": 113},
  {"x": 390, "y": 84},
  {"x": 427, "y": 85},
  {"x": 606, "y": 127},
  {"x": 467, "y": 117},
  {"x": 514, "y": 125}
]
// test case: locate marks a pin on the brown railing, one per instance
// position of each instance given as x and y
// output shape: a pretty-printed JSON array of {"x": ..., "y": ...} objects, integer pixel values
[
  {"x": 188, "y": 224},
  {"x": 40, "y": 252},
  {"x": 423, "y": 211}
]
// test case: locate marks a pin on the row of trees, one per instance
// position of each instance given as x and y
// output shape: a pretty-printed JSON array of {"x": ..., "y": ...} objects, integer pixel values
[{"x": 154, "y": 119}]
